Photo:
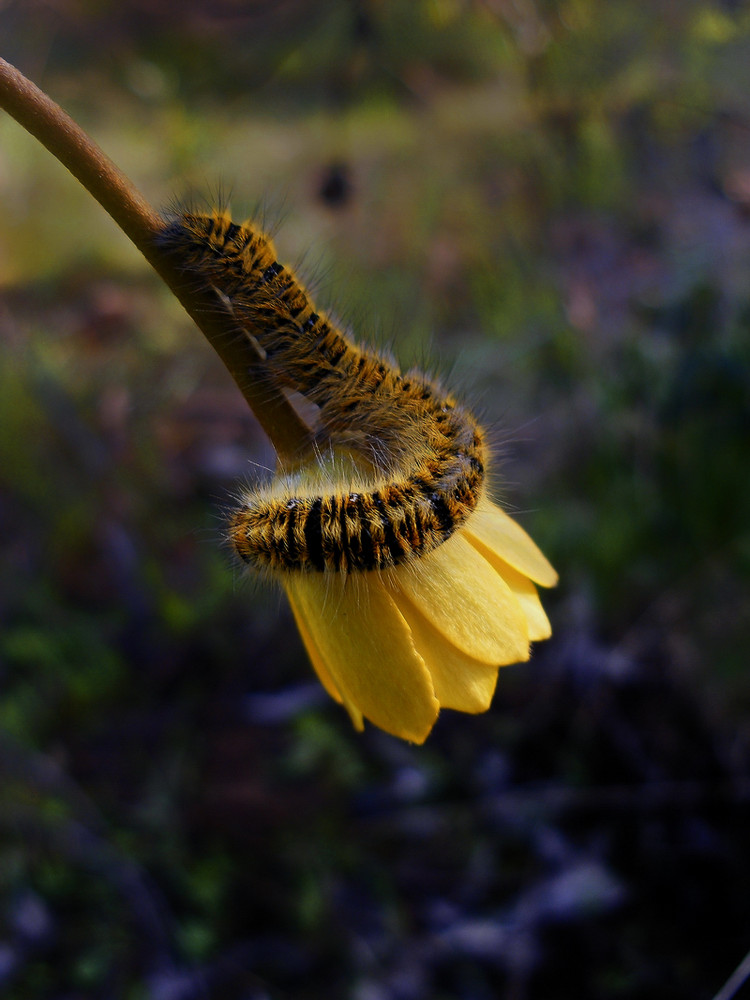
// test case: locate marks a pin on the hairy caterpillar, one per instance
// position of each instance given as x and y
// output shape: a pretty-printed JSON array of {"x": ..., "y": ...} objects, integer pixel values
[{"x": 427, "y": 452}]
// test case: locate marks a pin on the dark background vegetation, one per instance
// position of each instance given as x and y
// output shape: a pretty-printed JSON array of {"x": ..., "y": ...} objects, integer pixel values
[{"x": 550, "y": 202}]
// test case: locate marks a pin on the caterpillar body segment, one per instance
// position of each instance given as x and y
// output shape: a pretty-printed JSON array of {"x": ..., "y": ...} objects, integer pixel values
[{"x": 427, "y": 451}]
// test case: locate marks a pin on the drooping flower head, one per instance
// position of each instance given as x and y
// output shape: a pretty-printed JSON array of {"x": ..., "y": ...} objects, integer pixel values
[{"x": 395, "y": 646}]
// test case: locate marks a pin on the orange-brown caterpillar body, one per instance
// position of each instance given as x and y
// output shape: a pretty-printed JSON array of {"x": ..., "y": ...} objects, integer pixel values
[{"x": 427, "y": 451}]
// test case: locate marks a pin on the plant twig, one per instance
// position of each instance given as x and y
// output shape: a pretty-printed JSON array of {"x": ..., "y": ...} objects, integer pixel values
[
  {"x": 48, "y": 123},
  {"x": 735, "y": 981}
]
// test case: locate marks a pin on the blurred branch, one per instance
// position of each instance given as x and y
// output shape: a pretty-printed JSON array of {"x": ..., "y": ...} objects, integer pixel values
[{"x": 735, "y": 981}]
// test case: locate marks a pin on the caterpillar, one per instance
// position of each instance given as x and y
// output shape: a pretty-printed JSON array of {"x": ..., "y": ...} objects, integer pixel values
[{"x": 426, "y": 450}]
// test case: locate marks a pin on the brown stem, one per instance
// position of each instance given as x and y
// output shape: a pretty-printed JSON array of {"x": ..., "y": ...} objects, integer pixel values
[{"x": 47, "y": 122}]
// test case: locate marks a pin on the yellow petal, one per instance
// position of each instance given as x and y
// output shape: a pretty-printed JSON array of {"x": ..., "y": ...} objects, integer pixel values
[
  {"x": 460, "y": 682},
  {"x": 365, "y": 645},
  {"x": 524, "y": 590},
  {"x": 320, "y": 668},
  {"x": 465, "y": 599},
  {"x": 492, "y": 526}
]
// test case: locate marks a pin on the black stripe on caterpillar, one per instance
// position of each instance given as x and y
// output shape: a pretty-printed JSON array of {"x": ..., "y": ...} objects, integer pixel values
[{"x": 427, "y": 451}]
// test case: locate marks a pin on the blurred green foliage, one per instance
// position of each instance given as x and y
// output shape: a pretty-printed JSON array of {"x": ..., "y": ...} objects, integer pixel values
[{"x": 549, "y": 201}]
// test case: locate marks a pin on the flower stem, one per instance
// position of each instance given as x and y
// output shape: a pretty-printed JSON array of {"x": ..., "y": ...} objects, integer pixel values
[{"x": 48, "y": 123}]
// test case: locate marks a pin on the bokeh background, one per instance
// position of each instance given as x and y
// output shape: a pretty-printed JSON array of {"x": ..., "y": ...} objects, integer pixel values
[{"x": 549, "y": 204}]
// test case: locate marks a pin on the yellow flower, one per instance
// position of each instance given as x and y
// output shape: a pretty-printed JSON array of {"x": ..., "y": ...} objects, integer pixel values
[{"x": 396, "y": 646}]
